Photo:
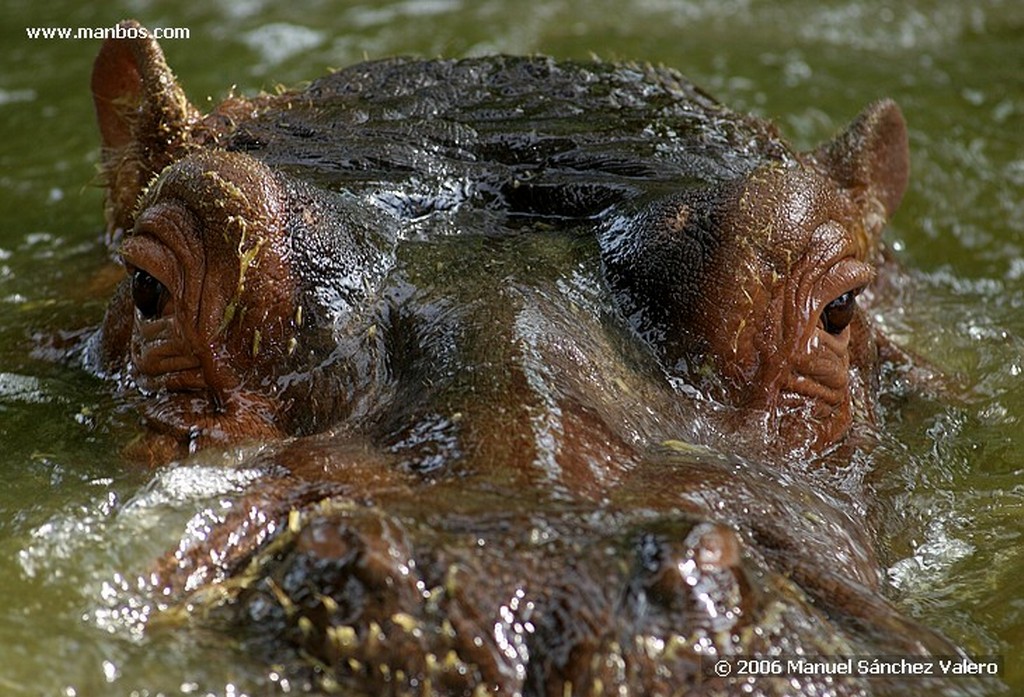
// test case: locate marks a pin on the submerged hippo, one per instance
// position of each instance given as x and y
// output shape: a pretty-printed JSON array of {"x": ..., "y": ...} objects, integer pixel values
[{"x": 541, "y": 357}]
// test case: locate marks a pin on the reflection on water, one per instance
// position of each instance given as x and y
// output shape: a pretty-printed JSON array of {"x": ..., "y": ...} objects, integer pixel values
[{"x": 79, "y": 529}]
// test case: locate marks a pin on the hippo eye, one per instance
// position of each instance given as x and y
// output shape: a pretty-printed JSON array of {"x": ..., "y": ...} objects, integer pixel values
[
  {"x": 149, "y": 294},
  {"x": 838, "y": 314}
]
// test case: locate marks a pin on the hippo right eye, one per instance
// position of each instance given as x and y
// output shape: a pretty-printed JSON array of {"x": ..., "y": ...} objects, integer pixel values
[
  {"x": 150, "y": 295},
  {"x": 838, "y": 314}
]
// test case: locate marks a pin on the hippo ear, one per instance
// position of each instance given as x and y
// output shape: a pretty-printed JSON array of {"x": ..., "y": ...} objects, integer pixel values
[
  {"x": 143, "y": 117},
  {"x": 871, "y": 158}
]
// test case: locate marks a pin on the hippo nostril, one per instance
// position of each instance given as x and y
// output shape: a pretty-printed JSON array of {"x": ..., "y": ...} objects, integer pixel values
[
  {"x": 149, "y": 295},
  {"x": 693, "y": 575},
  {"x": 649, "y": 553}
]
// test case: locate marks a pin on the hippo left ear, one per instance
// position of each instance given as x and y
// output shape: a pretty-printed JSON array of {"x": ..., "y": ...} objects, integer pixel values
[
  {"x": 143, "y": 116},
  {"x": 871, "y": 158}
]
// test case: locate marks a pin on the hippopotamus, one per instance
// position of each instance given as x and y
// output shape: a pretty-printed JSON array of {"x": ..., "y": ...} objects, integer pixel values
[{"x": 547, "y": 369}]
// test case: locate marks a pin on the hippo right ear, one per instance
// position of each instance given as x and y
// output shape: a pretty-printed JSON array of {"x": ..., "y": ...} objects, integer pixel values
[
  {"x": 871, "y": 159},
  {"x": 143, "y": 115}
]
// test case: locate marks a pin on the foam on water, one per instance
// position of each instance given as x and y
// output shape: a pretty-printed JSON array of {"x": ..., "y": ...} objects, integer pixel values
[
  {"x": 932, "y": 561},
  {"x": 82, "y": 546}
]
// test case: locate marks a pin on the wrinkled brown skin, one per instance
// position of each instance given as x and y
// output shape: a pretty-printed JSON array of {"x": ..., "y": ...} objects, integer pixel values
[{"x": 479, "y": 502}]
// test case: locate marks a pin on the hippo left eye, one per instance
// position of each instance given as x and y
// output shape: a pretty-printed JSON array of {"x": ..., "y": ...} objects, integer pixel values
[
  {"x": 150, "y": 295},
  {"x": 838, "y": 314}
]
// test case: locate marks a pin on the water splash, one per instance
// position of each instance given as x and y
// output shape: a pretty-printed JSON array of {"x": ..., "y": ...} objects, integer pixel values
[
  {"x": 932, "y": 562},
  {"x": 100, "y": 545}
]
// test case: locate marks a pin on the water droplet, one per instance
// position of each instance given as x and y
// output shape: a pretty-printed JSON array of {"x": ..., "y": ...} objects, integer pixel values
[{"x": 110, "y": 671}]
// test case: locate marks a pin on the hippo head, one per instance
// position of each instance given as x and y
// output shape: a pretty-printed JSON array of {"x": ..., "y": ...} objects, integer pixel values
[
  {"x": 748, "y": 290},
  {"x": 247, "y": 310}
]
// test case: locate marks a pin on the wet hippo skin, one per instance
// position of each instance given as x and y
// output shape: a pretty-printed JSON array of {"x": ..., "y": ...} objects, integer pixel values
[{"x": 549, "y": 363}]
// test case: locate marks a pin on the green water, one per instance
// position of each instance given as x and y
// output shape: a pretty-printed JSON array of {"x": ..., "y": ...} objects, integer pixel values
[{"x": 77, "y": 527}]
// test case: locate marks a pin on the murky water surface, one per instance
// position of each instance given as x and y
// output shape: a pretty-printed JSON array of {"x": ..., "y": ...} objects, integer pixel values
[{"x": 77, "y": 527}]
